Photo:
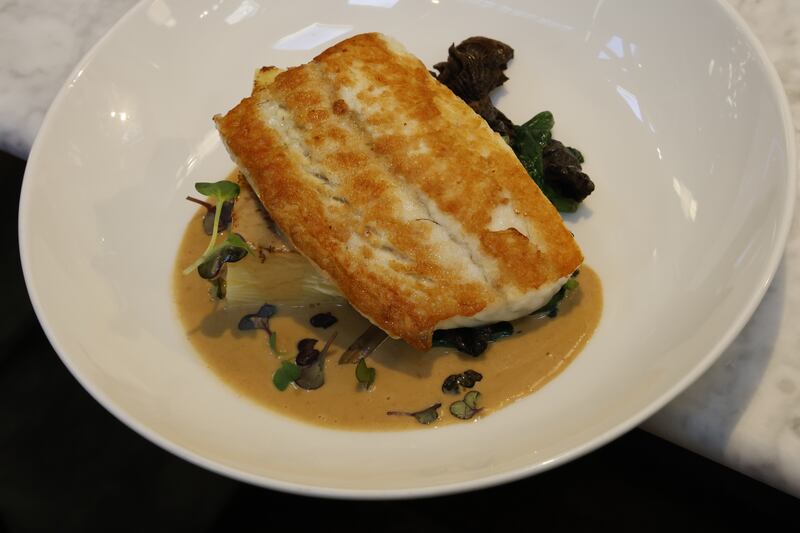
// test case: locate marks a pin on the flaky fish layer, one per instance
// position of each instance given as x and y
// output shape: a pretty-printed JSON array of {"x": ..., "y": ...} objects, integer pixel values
[{"x": 390, "y": 184}]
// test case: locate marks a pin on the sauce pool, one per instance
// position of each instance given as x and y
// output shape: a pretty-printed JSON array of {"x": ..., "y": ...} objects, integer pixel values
[{"x": 406, "y": 380}]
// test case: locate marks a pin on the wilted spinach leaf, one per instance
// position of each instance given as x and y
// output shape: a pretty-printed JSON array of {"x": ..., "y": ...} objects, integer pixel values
[
  {"x": 472, "y": 341},
  {"x": 551, "y": 307}
]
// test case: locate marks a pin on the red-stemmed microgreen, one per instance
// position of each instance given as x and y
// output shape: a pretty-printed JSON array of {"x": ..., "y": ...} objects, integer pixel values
[
  {"x": 424, "y": 416},
  {"x": 222, "y": 191},
  {"x": 208, "y": 219},
  {"x": 260, "y": 320},
  {"x": 468, "y": 407}
]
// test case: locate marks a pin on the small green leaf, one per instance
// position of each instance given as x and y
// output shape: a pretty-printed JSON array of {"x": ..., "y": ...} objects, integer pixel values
[
  {"x": 540, "y": 124},
  {"x": 468, "y": 407},
  {"x": 461, "y": 410},
  {"x": 571, "y": 284},
  {"x": 285, "y": 374},
  {"x": 236, "y": 240},
  {"x": 364, "y": 374},
  {"x": 221, "y": 190},
  {"x": 529, "y": 142},
  {"x": 471, "y": 399},
  {"x": 425, "y": 416},
  {"x": 273, "y": 344},
  {"x": 210, "y": 264}
]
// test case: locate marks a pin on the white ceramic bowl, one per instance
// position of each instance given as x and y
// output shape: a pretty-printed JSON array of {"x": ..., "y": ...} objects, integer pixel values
[{"x": 685, "y": 129}]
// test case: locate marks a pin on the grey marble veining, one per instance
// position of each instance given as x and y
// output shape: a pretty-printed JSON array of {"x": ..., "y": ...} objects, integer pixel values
[
  {"x": 40, "y": 43},
  {"x": 744, "y": 412}
]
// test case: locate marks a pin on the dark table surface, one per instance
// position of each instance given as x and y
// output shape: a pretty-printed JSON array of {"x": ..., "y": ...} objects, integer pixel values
[{"x": 66, "y": 464}]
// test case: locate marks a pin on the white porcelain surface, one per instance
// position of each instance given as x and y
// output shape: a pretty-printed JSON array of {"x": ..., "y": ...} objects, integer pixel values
[
  {"x": 685, "y": 130},
  {"x": 745, "y": 410}
]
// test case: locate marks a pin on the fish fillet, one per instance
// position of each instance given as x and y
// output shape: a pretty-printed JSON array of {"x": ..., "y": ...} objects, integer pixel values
[{"x": 396, "y": 190}]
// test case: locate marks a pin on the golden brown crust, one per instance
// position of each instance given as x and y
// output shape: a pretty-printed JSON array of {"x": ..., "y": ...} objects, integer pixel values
[{"x": 360, "y": 138}]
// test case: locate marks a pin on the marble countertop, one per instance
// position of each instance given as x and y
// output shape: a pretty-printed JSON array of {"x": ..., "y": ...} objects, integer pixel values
[{"x": 744, "y": 412}]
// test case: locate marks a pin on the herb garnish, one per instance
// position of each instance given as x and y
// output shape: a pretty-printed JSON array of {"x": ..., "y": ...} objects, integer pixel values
[
  {"x": 208, "y": 219},
  {"x": 221, "y": 191},
  {"x": 364, "y": 374},
  {"x": 260, "y": 320},
  {"x": 468, "y": 407},
  {"x": 273, "y": 344},
  {"x": 213, "y": 264},
  {"x": 233, "y": 249},
  {"x": 285, "y": 374},
  {"x": 425, "y": 416},
  {"x": 467, "y": 379},
  {"x": 323, "y": 320}
]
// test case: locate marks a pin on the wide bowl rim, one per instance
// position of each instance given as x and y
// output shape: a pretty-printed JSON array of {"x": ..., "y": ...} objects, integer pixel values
[{"x": 764, "y": 280}]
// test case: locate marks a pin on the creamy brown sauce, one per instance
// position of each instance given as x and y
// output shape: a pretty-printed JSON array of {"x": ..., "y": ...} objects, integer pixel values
[{"x": 406, "y": 380}]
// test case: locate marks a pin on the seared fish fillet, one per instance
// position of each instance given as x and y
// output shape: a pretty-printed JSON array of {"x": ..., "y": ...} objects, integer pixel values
[{"x": 395, "y": 189}]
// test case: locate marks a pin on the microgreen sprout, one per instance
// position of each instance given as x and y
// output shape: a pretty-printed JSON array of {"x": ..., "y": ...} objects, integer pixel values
[
  {"x": 425, "y": 416},
  {"x": 273, "y": 344},
  {"x": 285, "y": 374},
  {"x": 364, "y": 374},
  {"x": 468, "y": 407},
  {"x": 208, "y": 219},
  {"x": 233, "y": 249},
  {"x": 221, "y": 191},
  {"x": 260, "y": 320}
]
